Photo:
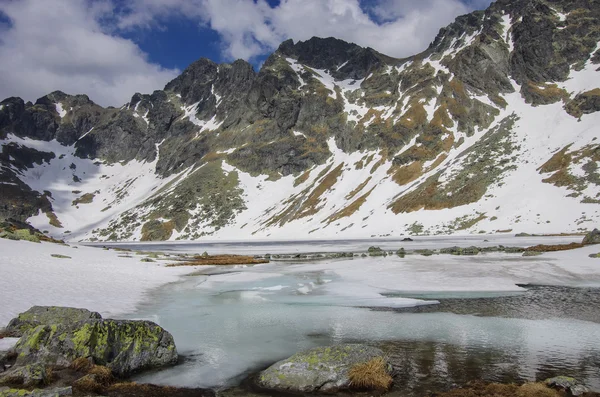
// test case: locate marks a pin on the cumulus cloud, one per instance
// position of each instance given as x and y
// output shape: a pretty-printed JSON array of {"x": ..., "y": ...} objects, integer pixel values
[
  {"x": 77, "y": 45},
  {"x": 252, "y": 28},
  {"x": 62, "y": 45}
]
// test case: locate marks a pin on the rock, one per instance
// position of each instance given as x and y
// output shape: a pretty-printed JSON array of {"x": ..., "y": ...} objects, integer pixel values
[
  {"x": 376, "y": 251},
  {"x": 46, "y": 315},
  {"x": 56, "y": 392},
  {"x": 28, "y": 375},
  {"x": 407, "y": 239},
  {"x": 323, "y": 369},
  {"x": 532, "y": 253},
  {"x": 524, "y": 235},
  {"x": 123, "y": 346},
  {"x": 568, "y": 384},
  {"x": 460, "y": 251},
  {"x": 401, "y": 252},
  {"x": 592, "y": 237},
  {"x": 424, "y": 252},
  {"x": 595, "y": 255}
]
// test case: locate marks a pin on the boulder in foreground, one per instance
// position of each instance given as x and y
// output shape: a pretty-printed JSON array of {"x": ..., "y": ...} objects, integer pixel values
[
  {"x": 47, "y": 315},
  {"x": 329, "y": 369},
  {"x": 124, "y": 346}
]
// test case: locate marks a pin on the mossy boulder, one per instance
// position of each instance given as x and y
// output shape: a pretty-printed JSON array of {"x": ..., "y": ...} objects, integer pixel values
[
  {"x": 47, "y": 315},
  {"x": 56, "y": 336},
  {"x": 565, "y": 383},
  {"x": 27, "y": 375},
  {"x": 58, "y": 392},
  {"x": 123, "y": 346},
  {"x": 460, "y": 251},
  {"x": 592, "y": 237},
  {"x": 323, "y": 369},
  {"x": 376, "y": 251}
]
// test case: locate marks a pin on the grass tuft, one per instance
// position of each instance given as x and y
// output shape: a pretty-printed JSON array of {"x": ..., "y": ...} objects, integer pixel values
[{"x": 371, "y": 375}]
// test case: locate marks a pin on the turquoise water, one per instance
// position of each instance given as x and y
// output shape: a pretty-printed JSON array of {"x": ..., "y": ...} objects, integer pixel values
[{"x": 229, "y": 326}]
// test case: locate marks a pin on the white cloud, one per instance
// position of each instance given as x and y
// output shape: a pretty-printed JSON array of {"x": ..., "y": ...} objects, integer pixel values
[
  {"x": 74, "y": 45},
  {"x": 60, "y": 45},
  {"x": 252, "y": 28}
]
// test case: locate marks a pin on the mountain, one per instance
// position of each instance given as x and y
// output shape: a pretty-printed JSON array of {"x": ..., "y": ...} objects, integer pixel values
[{"x": 493, "y": 128}]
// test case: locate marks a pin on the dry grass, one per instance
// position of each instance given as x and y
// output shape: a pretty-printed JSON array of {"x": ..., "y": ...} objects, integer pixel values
[
  {"x": 360, "y": 187},
  {"x": 372, "y": 375},
  {"x": 103, "y": 374},
  {"x": 302, "y": 178},
  {"x": 350, "y": 209},
  {"x": 82, "y": 364},
  {"x": 309, "y": 207},
  {"x": 552, "y": 248},
  {"x": 408, "y": 173},
  {"x": 536, "y": 390},
  {"x": 219, "y": 260}
]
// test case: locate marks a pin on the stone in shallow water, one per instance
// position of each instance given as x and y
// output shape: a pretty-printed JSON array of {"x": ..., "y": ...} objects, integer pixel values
[
  {"x": 568, "y": 384},
  {"x": 323, "y": 369},
  {"x": 592, "y": 237}
]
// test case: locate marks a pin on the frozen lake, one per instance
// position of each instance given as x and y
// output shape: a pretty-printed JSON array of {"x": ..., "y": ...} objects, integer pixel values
[
  {"x": 442, "y": 319},
  {"x": 278, "y": 247}
]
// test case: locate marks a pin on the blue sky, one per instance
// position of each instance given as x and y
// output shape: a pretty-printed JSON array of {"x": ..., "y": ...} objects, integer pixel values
[{"x": 110, "y": 49}]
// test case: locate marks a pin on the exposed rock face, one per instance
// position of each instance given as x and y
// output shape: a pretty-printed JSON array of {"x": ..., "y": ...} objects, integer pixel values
[
  {"x": 323, "y": 369},
  {"x": 592, "y": 237},
  {"x": 123, "y": 346},
  {"x": 360, "y": 133},
  {"x": 47, "y": 315}
]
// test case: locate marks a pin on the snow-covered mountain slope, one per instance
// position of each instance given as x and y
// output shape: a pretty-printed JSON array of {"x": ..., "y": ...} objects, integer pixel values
[{"x": 492, "y": 129}]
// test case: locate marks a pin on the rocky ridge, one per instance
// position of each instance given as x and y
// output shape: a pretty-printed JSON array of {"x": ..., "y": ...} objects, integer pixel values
[{"x": 492, "y": 126}]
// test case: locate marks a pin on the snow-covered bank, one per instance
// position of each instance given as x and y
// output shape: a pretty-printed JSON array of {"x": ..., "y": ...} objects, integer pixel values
[{"x": 92, "y": 278}]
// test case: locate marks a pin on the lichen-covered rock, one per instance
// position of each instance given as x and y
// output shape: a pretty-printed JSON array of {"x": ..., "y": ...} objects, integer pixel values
[
  {"x": 57, "y": 392},
  {"x": 376, "y": 251},
  {"x": 46, "y": 315},
  {"x": 28, "y": 375},
  {"x": 123, "y": 346},
  {"x": 323, "y": 369},
  {"x": 460, "y": 251},
  {"x": 592, "y": 237},
  {"x": 568, "y": 384}
]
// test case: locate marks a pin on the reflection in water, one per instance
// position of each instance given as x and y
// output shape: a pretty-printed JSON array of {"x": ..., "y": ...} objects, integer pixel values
[
  {"x": 434, "y": 366},
  {"x": 230, "y": 333}
]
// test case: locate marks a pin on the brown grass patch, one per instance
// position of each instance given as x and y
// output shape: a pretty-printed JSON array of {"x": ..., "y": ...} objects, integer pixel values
[
  {"x": 536, "y": 390},
  {"x": 309, "y": 207},
  {"x": 82, "y": 364},
  {"x": 552, "y": 248},
  {"x": 358, "y": 189},
  {"x": 53, "y": 219},
  {"x": 219, "y": 260},
  {"x": 558, "y": 161},
  {"x": 302, "y": 178},
  {"x": 84, "y": 199},
  {"x": 350, "y": 209},
  {"x": 408, "y": 173},
  {"x": 103, "y": 374},
  {"x": 370, "y": 375}
]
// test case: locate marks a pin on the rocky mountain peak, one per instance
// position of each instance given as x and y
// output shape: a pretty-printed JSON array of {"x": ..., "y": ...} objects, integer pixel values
[
  {"x": 341, "y": 59},
  {"x": 330, "y": 137}
]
